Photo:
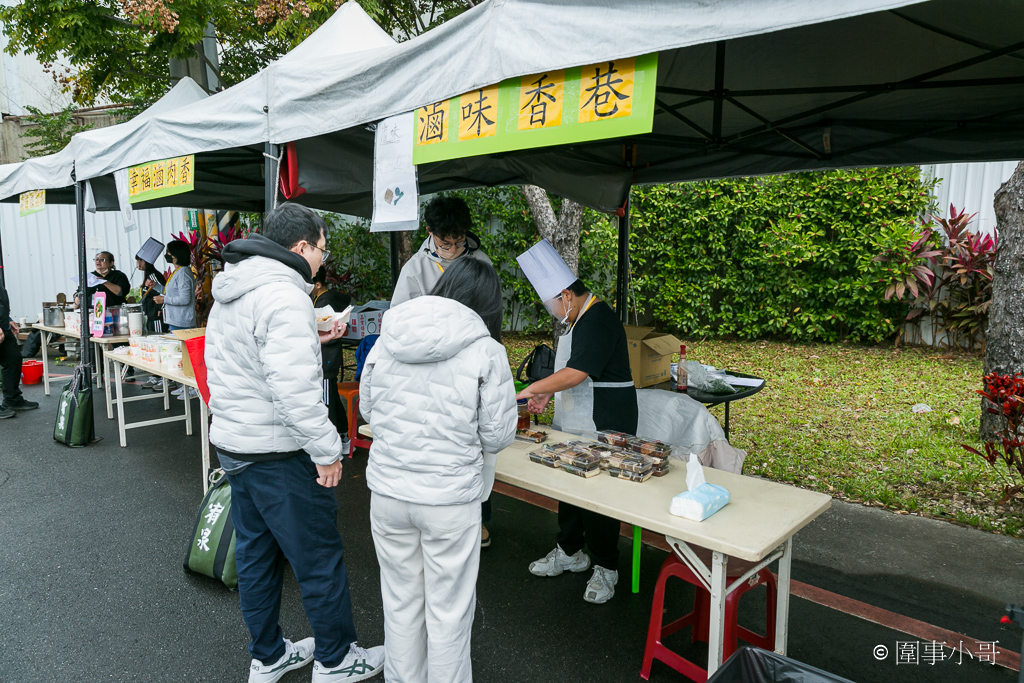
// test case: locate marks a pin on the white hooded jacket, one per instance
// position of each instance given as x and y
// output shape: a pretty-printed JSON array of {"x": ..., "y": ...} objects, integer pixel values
[
  {"x": 263, "y": 361},
  {"x": 425, "y": 268},
  {"x": 437, "y": 391}
]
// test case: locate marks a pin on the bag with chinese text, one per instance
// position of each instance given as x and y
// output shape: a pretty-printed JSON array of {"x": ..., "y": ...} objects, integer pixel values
[
  {"x": 74, "y": 425},
  {"x": 212, "y": 550}
]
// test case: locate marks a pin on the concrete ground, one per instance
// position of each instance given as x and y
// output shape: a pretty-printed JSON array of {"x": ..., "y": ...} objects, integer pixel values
[{"x": 92, "y": 589}]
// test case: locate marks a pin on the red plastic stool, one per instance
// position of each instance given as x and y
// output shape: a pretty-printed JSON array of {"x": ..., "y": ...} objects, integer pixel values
[
  {"x": 699, "y": 619},
  {"x": 350, "y": 392}
]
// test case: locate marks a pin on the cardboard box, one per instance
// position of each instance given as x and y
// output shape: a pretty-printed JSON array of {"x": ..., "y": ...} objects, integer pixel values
[
  {"x": 186, "y": 361},
  {"x": 366, "y": 319},
  {"x": 650, "y": 354}
]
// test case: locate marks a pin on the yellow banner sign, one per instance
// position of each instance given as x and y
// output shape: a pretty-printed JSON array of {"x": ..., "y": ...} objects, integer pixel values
[
  {"x": 32, "y": 202},
  {"x": 161, "y": 178}
]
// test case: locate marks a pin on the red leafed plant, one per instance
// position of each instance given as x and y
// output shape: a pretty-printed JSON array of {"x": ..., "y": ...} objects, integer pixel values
[{"x": 1005, "y": 393}]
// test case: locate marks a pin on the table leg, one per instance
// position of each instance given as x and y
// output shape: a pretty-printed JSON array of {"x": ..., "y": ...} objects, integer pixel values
[
  {"x": 637, "y": 544},
  {"x": 204, "y": 431},
  {"x": 167, "y": 394},
  {"x": 782, "y": 601},
  {"x": 106, "y": 388},
  {"x": 188, "y": 410},
  {"x": 727, "y": 420},
  {"x": 99, "y": 366},
  {"x": 46, "y": 337},
  {"x": 716, "y": 626},
  {"x": 120, "y": 408}
]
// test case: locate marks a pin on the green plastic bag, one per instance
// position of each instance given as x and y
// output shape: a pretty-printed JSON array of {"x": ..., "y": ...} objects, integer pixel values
[
  {"x": 75, "y": 425},
  {"x": 212, "y": 550}
]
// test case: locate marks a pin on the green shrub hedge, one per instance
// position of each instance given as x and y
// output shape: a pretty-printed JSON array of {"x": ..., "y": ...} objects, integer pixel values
[{"x": 787, "y": 255}]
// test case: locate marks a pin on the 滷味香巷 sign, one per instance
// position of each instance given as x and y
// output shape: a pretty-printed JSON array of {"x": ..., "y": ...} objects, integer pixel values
[
  {"x": 32, "y": 202},
  {"x": 610, "y": 99},
  {"x": 161, "y": 178}
]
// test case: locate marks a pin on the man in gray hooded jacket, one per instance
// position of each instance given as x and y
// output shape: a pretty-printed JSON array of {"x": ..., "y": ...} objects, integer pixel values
[
  {"x": 280, "y": 450},
  {"x": 448, "y": 222}
]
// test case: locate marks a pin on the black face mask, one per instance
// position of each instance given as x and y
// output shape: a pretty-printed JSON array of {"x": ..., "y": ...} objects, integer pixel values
[{"x": 168, "y": 258}]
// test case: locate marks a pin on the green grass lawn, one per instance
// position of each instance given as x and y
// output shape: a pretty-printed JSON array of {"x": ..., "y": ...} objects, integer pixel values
[{"x": 837, "y": 419}]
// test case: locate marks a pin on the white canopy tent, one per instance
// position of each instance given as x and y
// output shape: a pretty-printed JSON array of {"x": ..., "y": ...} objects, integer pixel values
[{"x": 56, "y": 171}]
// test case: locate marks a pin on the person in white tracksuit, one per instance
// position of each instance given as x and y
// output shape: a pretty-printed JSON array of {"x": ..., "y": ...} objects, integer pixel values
[{"x": 438, "y": 394}]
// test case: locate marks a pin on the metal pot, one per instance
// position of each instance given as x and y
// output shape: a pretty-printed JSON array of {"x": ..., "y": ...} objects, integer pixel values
[{"x": 53, "y": 316}]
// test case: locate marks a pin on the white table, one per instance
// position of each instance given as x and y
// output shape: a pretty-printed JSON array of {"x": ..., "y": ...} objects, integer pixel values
[
  {"x": 103, "y": 344},
  {"x": 48, "y": 333},
  {"x": 169, "y": 375},
  {"x": 757, "y": 525}
]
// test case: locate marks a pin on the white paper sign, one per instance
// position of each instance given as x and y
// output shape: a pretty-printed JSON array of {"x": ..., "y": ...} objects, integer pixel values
[
  {"x": 93, "y": 280},
  {"x": 395, "y": 190}
]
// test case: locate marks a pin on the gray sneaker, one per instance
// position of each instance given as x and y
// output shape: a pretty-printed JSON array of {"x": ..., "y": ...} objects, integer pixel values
[
  {"x": 6, "y": 412},
  {"x": 556, "y": 562},
  {"x": 601, "y": 586},
  {"x": 358, "y": 665},
  {"x": 296, "y": 656}
]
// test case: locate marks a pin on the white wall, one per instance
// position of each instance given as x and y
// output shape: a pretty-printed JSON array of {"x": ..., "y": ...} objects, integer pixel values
[
  {"x": 972, "y": 187},
  {"x": 41, "y": 250}
]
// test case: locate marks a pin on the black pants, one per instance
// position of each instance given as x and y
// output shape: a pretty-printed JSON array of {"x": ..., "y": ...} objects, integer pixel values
[
  {"x": 336, "y": 407},
  {"x": 578, "y": 527},
  {"x": 10, "y": 368}
]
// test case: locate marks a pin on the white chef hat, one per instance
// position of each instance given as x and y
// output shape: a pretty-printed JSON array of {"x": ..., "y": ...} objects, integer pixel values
[{"x": 545, "y": 270}]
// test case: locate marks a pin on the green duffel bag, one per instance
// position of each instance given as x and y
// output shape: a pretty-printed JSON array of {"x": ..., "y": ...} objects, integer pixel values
[
  {"x": 212, "y": 550},
  {"x": 75, "y": 426}
]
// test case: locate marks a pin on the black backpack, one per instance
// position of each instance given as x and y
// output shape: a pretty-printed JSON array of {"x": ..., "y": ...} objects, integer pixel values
[{"x": 540, "y": 363}]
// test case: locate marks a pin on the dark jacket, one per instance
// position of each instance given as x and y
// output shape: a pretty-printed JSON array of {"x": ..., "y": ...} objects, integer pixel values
[{"x": 5, "y": 311}]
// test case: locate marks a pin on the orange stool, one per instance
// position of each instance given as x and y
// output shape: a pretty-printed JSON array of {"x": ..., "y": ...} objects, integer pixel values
[
  {"x": 350, "y": 392},
  {"x": 699, "y": 619}
]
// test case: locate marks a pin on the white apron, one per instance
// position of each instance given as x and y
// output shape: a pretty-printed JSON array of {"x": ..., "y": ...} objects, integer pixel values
[{"x": 574, "y": 408}]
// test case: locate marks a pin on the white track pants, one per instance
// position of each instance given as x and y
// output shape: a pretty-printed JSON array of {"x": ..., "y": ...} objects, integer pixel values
[{"x": 429, "y": 559}]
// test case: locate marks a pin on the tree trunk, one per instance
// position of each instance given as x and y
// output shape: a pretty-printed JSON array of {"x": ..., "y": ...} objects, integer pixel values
[
  {"x": 1004, "y": 338},
  {"x": 405, "y": 247},
  {"x": 562, "y": 231}
]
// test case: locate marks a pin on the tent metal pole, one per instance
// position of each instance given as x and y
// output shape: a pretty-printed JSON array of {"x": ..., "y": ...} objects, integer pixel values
[
  {"x": 716, "y": 126},
  {"x": 621, "y": 280},
  {"x": 3, "y": 282},
  {"x": 85, "y": 348},
  {"x": 269, "y": 176},
  {"x": 395, "y": 267}
]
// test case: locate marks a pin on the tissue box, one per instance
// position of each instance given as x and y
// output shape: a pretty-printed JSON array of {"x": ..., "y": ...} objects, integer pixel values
[{"x": 700, "y": 503}]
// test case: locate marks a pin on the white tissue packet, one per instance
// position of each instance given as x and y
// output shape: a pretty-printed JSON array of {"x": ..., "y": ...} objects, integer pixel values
[{"x": 701, "y": 499}]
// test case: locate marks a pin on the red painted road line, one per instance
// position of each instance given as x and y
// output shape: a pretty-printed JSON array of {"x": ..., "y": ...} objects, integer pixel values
[{"x": 918, "y": 629}]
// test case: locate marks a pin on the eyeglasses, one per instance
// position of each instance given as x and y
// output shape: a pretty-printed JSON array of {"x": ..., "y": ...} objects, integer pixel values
[
  {"x": 449, "y": 246},
  {"x": 100, "y": 259},
  {"x": 324, "y": 254}
]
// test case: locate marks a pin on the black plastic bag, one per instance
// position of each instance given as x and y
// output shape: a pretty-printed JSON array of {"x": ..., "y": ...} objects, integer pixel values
[{"x": 754, "y": 665}]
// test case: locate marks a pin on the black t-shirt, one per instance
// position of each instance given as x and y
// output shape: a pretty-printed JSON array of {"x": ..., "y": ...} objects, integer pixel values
[
  {"x": 114, "y": 277},
  {"x": 599, "y": 349}
]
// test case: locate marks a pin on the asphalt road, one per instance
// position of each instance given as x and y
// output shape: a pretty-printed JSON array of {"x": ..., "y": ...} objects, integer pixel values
[{"x": 92, "y": 588}]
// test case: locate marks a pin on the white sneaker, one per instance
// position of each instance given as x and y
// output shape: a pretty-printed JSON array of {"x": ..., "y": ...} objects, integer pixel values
[
  {"x": 601, "y": 586},
  {"x": 346, "y": 446},
  {"x": 296, "y": 656},
  {"x": 556, "y": 562},
  {"x": 177, "y": 392},
  {"x": 192, "y": 393},
  {"x": 358, "y": 665}
]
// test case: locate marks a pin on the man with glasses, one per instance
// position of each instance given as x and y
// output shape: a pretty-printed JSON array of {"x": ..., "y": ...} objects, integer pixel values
[
  {"x": 281, "y": 453},
  {"x": 448, "y": 238}
]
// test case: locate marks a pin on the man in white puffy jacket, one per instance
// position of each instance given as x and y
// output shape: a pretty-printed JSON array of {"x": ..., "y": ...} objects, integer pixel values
[
  {"x": 437, "y": 391},
  {"x": 280, "y": 450}
]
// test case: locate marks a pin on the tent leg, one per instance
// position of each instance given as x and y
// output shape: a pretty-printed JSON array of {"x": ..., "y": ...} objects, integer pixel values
[
  {"x": 3, "y": 283},
  {"x": 270, "y": 153},
  {"x": 395, "y": 267},
  {"x": 621, "y": 288},
  {"x": 85, "y": 348}
]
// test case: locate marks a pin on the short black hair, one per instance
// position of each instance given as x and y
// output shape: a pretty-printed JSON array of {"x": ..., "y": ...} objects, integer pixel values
[
  {"x": 578, "y": 288},
  {"x": 321, "y": 276},
  {"x": 474, "y": 284},
  {"x": 290, "y": 224},
  {"x": 181, "y": 252},
  {"x": 448, "y": 218},
  {"x": 110, "y": 257}
]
